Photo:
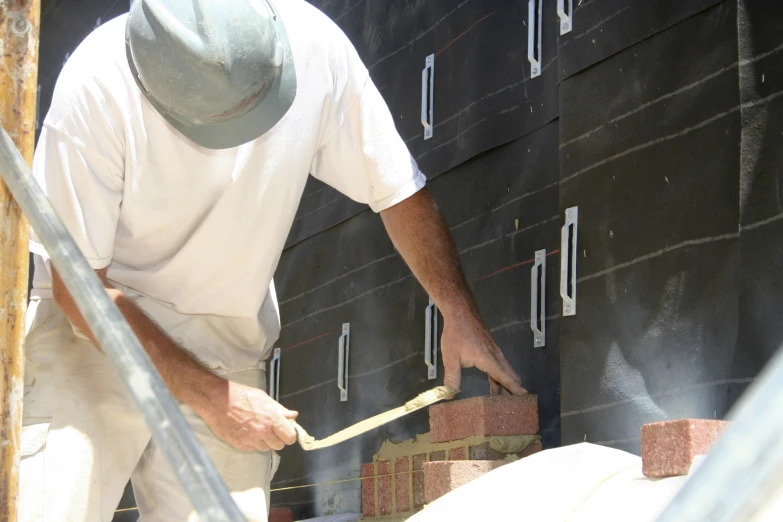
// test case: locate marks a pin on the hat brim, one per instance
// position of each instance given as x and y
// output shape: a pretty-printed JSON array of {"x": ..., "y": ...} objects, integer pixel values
[{"x": 246, "y": 128}]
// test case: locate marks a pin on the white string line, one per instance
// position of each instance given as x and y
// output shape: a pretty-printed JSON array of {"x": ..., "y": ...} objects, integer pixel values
[{"x": 666, "y": 393}]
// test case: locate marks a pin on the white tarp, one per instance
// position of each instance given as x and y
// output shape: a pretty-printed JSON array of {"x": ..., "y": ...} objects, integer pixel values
[{"x": 578, "y": 483}]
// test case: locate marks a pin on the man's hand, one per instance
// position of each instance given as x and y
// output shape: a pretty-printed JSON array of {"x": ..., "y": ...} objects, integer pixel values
[
  {"x": 421, "y": 236},
  {"x": 249, "y": 419},
  {"x": 245, "y": 417},
  {"x": 468, "y": 344}
]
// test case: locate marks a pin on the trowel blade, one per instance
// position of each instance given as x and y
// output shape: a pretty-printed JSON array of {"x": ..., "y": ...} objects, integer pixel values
[{"x": 423, "y": 400}]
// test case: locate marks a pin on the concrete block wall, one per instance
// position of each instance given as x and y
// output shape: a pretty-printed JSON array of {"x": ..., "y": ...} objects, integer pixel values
[{"x": 467, "y": 439}]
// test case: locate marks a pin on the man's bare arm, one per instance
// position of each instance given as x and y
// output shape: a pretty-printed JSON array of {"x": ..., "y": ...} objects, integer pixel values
[
  {"x": 418, "y": 231},
  {"x": 243, "y": 416}
]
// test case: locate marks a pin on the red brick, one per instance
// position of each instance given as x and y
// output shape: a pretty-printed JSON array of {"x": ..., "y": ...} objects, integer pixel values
[
  {"x": 458, "y": 454},
  {"x": 280, "y": 514},
  {"x": 402, "y": 478},
  {"x": 384, "y": 488},
  {"x": 368, "y": 490},
  {"x": 484, "y": 416},
  {"x": 443, "y": 477},
  {"x": 418, "y": 480},
  {"x": 438, "y": 455},
  {"x": 668, "y": 448}
]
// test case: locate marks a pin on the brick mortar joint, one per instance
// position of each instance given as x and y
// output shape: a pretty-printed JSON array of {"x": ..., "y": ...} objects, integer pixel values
[
  {"x": 376, "y": 488},
  {"x": 394, "y": 488},
  {"x": 411, "y": 500},
  {"x": 393, "y": 517},
  {"x": 507, "y": 444}
]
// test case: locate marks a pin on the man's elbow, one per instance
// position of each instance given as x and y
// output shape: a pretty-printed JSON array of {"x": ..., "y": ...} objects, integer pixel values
[
  {"x": 60, "y": 294},
  {"x": 65, "y": 300}
]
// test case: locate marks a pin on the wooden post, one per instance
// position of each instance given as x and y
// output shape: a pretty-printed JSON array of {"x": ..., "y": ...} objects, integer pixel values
[{"x": 19, "y": 27}]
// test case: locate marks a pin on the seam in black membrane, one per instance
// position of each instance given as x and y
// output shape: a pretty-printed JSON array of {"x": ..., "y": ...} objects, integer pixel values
[
  {"x": 352, "y": 299},
  {"x": 671, "y": 136},
  {"x": 339, "y": 198},
  {"x": 417, "y": 37},
  {"x": 455, "y": 227},
  {"x": 354, "y": 376},
  {"x": 650, "y": 103},
  {"x": 633, "y": 43},
  {"x": 484, "y": 98},
  {"x": 345, "y": 13},
  {"x": 761, "y": 223},
  {"x": 596, "y": 26},
  {"x": 761, "y": 56},
  {"x": 458, "y": 136},
  {"x": 463, "y": 33},
  {"x": 511, "y": 234},
  {"x": 672, "y": 94},
  {"x": 429, "y": 180},
  {"x": 666, "y": 393},
  {"x": 657, "y": 253},
  {"x": 507, "y": 203},
  {"x": 643, "y": 146},
  {"x": 511, "y": 324},
  {"x": 341, "y": 276}
]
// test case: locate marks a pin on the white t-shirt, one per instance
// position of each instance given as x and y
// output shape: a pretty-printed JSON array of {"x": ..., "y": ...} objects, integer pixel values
[{"x": 194, "y": 235}]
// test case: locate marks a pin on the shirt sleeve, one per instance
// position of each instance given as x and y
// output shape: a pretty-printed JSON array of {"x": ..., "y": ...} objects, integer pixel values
[
  {"x": 79, "y": 164},
  {"x": 365, "y": 158},
  {"x": 85, "y": 190}
]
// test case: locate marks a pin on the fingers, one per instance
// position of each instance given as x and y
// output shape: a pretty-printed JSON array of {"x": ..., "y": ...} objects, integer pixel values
[
  {"x": 495, "y": 370},
  {"x": 280, "y": 431},
  {"x": 494, "y": 387},
  {"x": 253, "y": 421},
  {"x": 266, "y": 438},
  {"x": 284, "y": 430},
  {"x": 453, "y": 368},
  {"x": 510, "y": 370}
]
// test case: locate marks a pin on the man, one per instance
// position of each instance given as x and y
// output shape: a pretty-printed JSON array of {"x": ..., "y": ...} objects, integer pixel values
[{"x": 176, "y": 150}]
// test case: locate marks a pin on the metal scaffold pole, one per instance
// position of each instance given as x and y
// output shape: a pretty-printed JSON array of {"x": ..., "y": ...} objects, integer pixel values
[
  {"x": 170, "y": 431},
  {"x": 19, "y": 21},
  {"x": 19, "y": 25}
]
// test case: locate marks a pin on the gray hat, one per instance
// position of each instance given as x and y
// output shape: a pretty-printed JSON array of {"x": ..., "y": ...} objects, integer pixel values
[{"x": 220, "y": 71}]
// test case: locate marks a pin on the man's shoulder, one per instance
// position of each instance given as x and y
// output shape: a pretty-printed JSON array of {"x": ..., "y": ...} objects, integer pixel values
[
  {"x": 308, "y": 26},
  {"x": 99, "y": 57},
  {"x": 93, "y": 74},
  {"x": 302, "y": 12},
  {"x": 320, "y": 44},
  {"x": 104, "y": 45}
]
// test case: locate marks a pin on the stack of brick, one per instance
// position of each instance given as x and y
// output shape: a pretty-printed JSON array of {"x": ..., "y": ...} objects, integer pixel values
[{"x": 467, "y": 439}]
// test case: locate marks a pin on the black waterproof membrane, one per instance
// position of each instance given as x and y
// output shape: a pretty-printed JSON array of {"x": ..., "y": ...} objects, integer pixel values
[
  {"x": 761, "y": 200},
  {"x": 602, "y": 28},
  {"x": 483, "y": 93},
  {"x": 650, "y": 152}
]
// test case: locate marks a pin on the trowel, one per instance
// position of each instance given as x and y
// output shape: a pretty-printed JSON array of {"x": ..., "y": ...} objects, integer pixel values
[{"x": 422, "y": 400}]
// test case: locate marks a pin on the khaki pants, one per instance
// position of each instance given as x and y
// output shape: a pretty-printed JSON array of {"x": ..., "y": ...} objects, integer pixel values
[{"x": 83, "y": 438}]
